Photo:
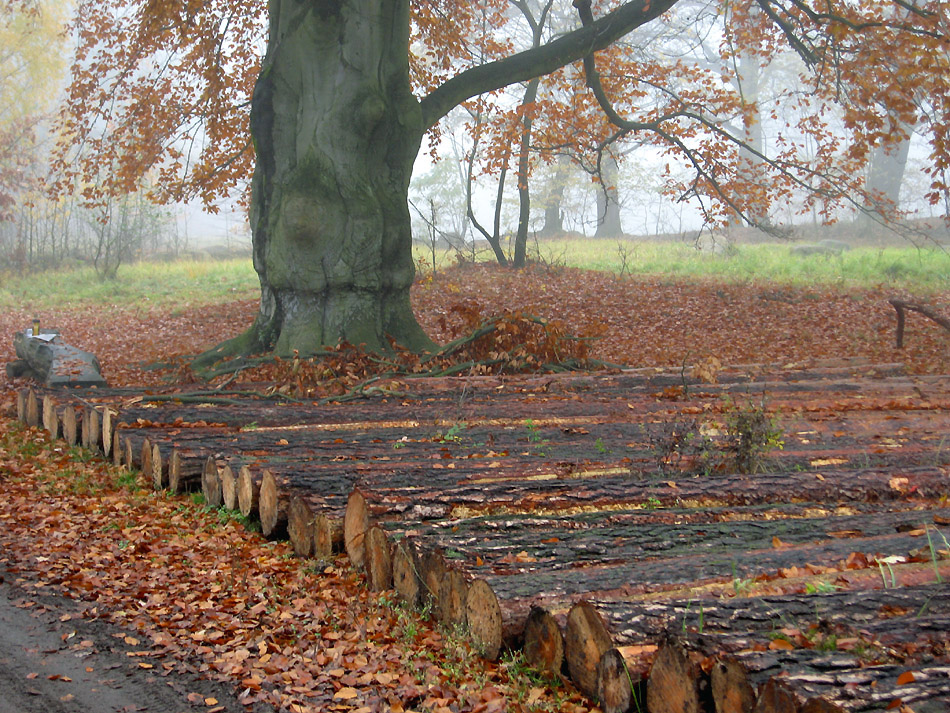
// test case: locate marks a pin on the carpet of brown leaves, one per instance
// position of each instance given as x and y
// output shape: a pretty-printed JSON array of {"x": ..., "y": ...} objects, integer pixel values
[
  {"x": 200, "y": 592},
  {"x": 638, "y": 321}
]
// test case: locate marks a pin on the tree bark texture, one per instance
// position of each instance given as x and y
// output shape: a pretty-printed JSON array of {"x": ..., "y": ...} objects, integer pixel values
[
  {"x": 56, "y": 363},
  {"x": 336, "y": 130}
]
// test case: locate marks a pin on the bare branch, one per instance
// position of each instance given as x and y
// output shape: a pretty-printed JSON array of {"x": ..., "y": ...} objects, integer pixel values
[{"x": 540, "y": 60}]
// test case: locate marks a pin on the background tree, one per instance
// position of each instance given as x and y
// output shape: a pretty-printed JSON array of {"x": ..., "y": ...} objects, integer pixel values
[{"x": 29, "y": 77}]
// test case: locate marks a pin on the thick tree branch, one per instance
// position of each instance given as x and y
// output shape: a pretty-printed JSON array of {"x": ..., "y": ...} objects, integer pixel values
[{"x": 541, "y": 60}]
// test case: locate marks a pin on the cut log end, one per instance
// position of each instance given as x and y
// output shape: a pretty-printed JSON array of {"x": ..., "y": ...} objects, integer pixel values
[
  {"x": 585, "y": 642},
  {"x": 433, "y": 570},
  {"x": 32, "y": 410},
  {"x": 145, "y": 459},
  {"x": 117, "y": 451},
  {"x": 299, "y": 526},
  {"x": 484, "y": 619},
  {"x": 407, "y": 579},
  {"x": 90, "y": 428},
  {"x": 327, "y": 536},
  {"x": 248, "y": 491},
  {"x": 158, "y": 468},
  {"x": 129, "y": 457},
  {"x": 775, "y": 697},
  {"x": 355, "y": 525},
  {"x": 379, "y": 563},
  {"x": 543, "y": 642},
  {"x": 731, "y": 689},
  {"x": 184, "y": 473},
  {"x": 50, "y": 418},
  {"x": 453, "y": 599},
  {"x": 615, "y": 686},
  {"x": 273, "y": 511},
  {"x": 21, "y": 396},
  {"x": 228, "y": 488},
  {"x": 211, "y": 483},
  {"x": 70, "y": 425},
  {"x": 109, "y": 419},
  {"x": 676, "y": 682}
]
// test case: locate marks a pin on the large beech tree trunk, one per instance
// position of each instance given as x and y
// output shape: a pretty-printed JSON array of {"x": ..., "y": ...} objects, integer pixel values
[{"x": 336, "y": 129}]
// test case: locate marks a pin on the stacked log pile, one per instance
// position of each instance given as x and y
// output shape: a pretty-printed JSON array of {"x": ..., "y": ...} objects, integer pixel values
[{"x": 571, "y": 516}]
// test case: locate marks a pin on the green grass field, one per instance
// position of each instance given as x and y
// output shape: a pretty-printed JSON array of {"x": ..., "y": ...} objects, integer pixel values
[{"x": 920, "y": 271}]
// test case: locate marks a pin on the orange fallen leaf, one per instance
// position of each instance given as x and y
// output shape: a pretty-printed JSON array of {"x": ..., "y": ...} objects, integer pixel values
[
  {"x": 346, "y": 694},
  {"x": 781, "y": 645},
  {"x": 905, "y": 678}
]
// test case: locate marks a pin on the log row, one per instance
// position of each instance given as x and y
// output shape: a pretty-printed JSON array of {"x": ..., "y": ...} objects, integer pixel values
[{"x": 389, "y": 544}]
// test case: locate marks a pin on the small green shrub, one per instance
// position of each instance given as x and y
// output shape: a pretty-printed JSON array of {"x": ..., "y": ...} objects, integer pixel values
[{"x": 751, "y": 434}]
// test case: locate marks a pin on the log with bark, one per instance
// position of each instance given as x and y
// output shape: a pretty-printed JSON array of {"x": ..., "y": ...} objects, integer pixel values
[
  {"x": 56, "y": 363},
  {"x": 725, "y": 651},
  {"x": 810, "y": 682},
  {"x": 750, "y": 620}
]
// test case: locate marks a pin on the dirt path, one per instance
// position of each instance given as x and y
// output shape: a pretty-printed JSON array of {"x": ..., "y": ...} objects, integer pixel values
[{"x": 55, "y": 657}]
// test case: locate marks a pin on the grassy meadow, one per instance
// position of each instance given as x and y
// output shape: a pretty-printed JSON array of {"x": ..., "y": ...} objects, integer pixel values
[
  {"x": 190, "y": 282},
  {"x": 924, "y": 270}
]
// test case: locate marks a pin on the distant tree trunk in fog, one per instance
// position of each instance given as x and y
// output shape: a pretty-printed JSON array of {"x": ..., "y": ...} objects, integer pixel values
[
  {"x": 608, "y": 203},
  {"x": 553, "y": 215},
  {"x": 750, "y": 163},
  {"x": 885, "y": 176},
  {"x": 524, "y": 195}
]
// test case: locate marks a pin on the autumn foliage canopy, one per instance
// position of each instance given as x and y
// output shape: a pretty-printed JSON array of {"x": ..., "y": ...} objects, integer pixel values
[{"x": 162, "y": 88}]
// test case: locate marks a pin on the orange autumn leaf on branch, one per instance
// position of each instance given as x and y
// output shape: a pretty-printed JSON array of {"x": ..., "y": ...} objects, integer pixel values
[{"x": 163, "y": 88}]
